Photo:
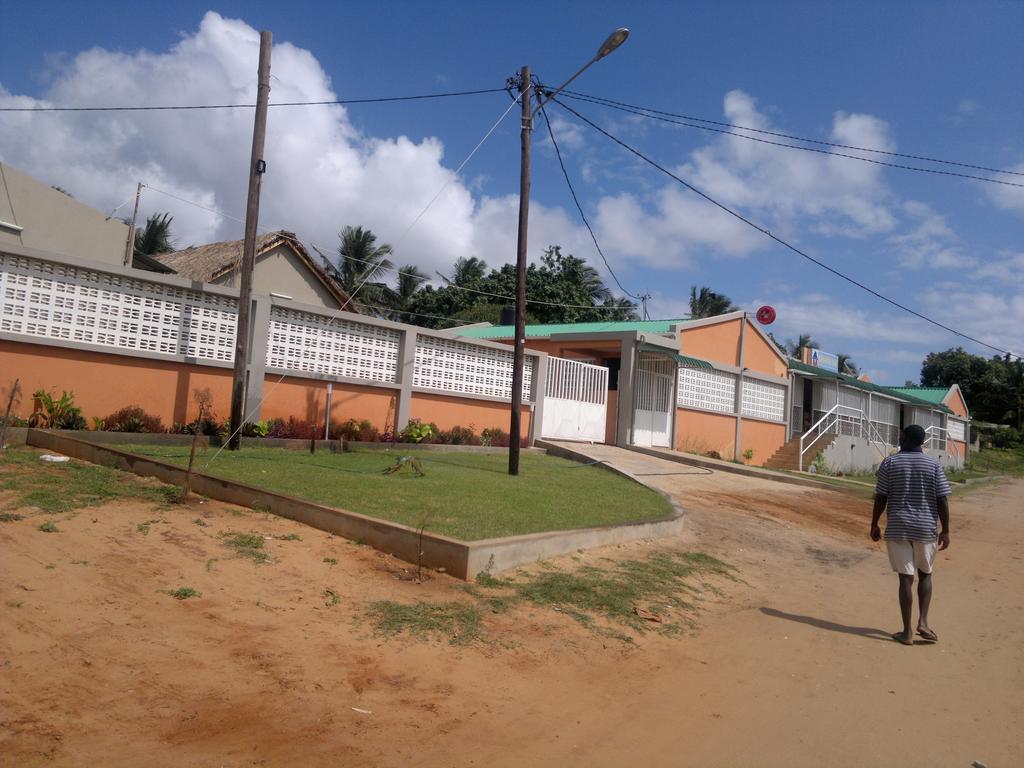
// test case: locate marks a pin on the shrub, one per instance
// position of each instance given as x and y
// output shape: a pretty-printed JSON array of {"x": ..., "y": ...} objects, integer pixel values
[
  {"x": 458, "y": 436},
  {"x": 132, "y": 419},
  {"x": 1007, "y": 437},
  {"x": 293, "y": 429},
  {"x": 56, "y": 413},
  {"x": 362, "y": 431},
  {"x": 416, "y": 432},
  {"x": 255, "y": 429},
  {"x": 494, "y": 436}
]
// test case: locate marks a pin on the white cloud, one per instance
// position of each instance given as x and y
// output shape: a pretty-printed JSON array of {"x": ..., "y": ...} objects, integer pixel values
[
  {"x": 1008, "y": 198},
  {"x": 985, "y": 314},
  {"x": 930, "y": 243},
  {"x": 323, "y": 173}
]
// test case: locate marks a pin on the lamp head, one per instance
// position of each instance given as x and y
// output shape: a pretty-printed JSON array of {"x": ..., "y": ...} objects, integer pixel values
[{"x": 614, "y": 40}]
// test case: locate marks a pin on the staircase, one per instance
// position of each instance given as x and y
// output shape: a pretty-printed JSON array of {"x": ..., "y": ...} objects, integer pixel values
[{"x": 788, "y": 456}]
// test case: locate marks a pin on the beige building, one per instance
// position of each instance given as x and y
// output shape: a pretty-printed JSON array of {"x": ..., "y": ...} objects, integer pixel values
[
  {"x": 36, "y": 215},
  {"x": 283, "y": 268}
]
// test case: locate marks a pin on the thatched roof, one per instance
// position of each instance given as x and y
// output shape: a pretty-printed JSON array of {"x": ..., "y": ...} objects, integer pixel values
[{"x": 206, "y": 263}]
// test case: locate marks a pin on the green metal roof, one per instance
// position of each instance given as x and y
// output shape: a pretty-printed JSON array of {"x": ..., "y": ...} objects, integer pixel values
[
  {"x": 900, "y": 393},
  {"x": 683, "y": 360},
  {"x": 544, "y": 331},
  {"x": 931, "y": 394}
]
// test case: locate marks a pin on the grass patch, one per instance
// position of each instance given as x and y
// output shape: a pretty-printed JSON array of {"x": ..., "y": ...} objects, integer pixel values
[
  {"x": 184, "y": 593},
  {"x": 331, "y": 598},
  {"x": 143, "y": 528},
  {"x": 465, "y": 495},
  {"x": 57, "y": 488},
  {"x": 200, "y": 522},
  {"x": 459, "y": 623},
  {"x": 655, "y": 583},
  {"x": 289, "y": 537},
  {"x": 49, "y": 527},
  {"x": 248, "y": 545},
  {"x": 10, "y": 517},
  {"x": 331, "y": 560},
  {"x": 997, "y": 461}
]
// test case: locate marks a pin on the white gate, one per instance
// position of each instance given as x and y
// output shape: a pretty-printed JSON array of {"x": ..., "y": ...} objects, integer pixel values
[
  {"x": 575, "y": 401},
  {"x": 654, "y": 400}
]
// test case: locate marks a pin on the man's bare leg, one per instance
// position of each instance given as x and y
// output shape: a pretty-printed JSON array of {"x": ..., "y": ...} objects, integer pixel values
[
  {"x": 906, "y": 609},
  {"x": 924, "y": 599}
]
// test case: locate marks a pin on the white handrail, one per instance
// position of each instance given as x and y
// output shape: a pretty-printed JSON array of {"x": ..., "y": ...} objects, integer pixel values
[
  {"x": 934, "y": 437},
  {"x": 832, "y": 416}
]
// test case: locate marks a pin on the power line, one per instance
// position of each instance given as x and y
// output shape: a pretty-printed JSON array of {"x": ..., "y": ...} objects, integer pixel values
[
  {"x": 613, "y": 103},
  {"x": 642, "y": 112},
  {"x": 184, "y": 107},
  {"x": 575, "y": 199},
  {"x": 776, "y": 238}
]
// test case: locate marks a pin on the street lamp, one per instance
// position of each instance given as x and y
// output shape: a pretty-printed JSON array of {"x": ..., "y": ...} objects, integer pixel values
[{"x": 613, "y": 41}]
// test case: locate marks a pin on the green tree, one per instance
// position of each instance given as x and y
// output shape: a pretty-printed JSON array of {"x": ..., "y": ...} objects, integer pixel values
[
  {"x": 362, "y": 265},
  {"x": 410, "y": 281},
  {"x": 847, "y": 366},
  {"x": 468, "y": 271},
  {"x": 796, "y": 348},
  {"x": 993, "y": 388},
  {"x": 707, "y": 303},
  {"x": 155, "y": 237}
]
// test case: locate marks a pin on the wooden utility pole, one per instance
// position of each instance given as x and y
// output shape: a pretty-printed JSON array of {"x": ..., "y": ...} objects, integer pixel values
[
  {"x": 518, "y": 355},
  {"x": 252, "y": 211},
  {"x": 129, "y": 248},
  {"x": 7, "y": 415}
]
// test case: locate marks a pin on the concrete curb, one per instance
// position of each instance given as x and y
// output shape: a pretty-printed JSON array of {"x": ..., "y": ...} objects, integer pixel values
[
  {"x": 728, "y": 466},
  {"x": 461, "y": 559}
]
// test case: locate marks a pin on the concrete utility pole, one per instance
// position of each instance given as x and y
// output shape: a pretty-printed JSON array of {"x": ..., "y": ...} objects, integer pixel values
[
  {"x": 519, "y": 351},
  {"x": 252, "y": 212},
  {"x": 129, "y": 247}
]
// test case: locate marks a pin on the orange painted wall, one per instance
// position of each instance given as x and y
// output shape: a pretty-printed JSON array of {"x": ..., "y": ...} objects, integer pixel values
[
  {"x": 448, "y": 412},
  {"x": 719, "y": 343},
  {"x": 763, "y": 437},
  {"x": 306, "y": 398},
  {"x": 958, "y": 406},
  {"x": 103, "y": 383},
  {"x": 611, "y": 417},
  {"x": 759, "y": 355},
  {"x": 699, "y": 432}
]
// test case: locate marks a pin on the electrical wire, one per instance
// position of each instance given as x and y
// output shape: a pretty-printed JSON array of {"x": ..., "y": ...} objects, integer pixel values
[
  {"x": 575, "y": 199},
  {"x": 776, "y": 238},
  {"x": 620, "y": 104},
  {"x": 185, "y": 107}
]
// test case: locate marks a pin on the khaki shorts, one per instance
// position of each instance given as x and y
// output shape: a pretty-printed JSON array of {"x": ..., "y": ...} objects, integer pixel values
[{"x": 905, "y": 556}]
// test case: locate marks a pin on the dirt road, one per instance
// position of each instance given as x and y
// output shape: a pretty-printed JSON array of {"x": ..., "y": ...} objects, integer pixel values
[{"x": 792, "y": 666}]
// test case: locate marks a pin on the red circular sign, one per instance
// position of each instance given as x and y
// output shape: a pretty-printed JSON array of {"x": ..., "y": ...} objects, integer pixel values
[{"x": 766, "y": 315}]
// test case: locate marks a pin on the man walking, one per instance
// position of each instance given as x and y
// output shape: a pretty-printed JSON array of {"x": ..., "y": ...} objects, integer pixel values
[{"x": 915, "y": 489}]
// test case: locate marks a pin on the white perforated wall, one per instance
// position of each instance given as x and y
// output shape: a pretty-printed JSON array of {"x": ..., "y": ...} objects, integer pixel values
[
  {"x": 303, "y": 341},
  {"x": 456, "y": 366},
  {"x": 48, "y": 300},
  {"x": 710, "y": 390},
  {"x": 764, "y": 400}
]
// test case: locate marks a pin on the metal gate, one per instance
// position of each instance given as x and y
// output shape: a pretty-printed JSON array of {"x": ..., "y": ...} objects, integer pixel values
[
  {"x": 654, "y": 400},
  {"x": 575, "y": 401}
]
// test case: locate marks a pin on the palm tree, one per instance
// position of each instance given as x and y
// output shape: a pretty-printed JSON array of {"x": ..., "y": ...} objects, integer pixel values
[
  {"x": 847, "y": 366},
  {"x": 155, "y": 237},
  {"x": 362, "y": 264},
  {"x": 796, "y": 348},
  {"x": 707, "y": 303},
  {"x": 410, "y": 280},
  {"x": 467, "y": 271}
]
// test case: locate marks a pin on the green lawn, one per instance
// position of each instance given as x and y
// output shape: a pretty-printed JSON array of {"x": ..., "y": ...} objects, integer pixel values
[{"x": 467, "y": 496}]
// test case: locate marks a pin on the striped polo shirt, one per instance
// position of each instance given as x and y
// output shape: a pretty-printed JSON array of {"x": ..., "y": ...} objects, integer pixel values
[{"x": 913, "y": 482}]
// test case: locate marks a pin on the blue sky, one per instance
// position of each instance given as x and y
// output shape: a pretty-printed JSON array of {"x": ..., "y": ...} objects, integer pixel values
[{"x": 928, "y": 78}]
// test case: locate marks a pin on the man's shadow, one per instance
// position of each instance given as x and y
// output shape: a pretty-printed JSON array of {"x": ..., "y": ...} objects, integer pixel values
[{"x": 869, "y": 632}]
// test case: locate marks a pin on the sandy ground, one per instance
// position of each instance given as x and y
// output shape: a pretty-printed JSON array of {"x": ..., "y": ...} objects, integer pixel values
[{"x": 792, "y": 666}]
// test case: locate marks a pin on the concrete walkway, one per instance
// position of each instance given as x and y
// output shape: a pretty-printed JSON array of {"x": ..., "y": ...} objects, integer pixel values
[{"x": 680, "y": 480}]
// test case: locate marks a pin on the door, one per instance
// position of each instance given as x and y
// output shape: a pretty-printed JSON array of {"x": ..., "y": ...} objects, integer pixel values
[
  {"x": 575, "y": 401},
  {"x": 654, "y": 400}
]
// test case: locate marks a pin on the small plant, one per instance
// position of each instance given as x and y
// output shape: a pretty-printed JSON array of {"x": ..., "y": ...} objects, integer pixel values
[
  {"x": 458, "y": 436},
  {"x": 200, "y": 522},
  {"x": 133, "y": 419},
  {"x": 331, "y": 598},
  {"x": 246, "y": 545},
  {"x": 56, "y": 413},
  {"x": 416, "y": 432},
  {"x": 143, "y": 528},
  {"x": 98, "y": 424},
  {"x": 494, "y": 437},
  {"x": 290, "y": 537},
  {"x": 49, "y": 527},
  {"x": 748, "y": 454},
  {"x": 820, "y": 466},
  {"x": 255, "y": 429},
  {"x": 331, "y": 560},
  {"x": 10, "y": 517},
  {"x": 184, "y": 593}
]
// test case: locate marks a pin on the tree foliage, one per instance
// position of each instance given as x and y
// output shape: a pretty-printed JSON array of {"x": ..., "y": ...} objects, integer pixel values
[
  {"x": 708, "y": 303},
  {"x": 993, "y": 387},
  {"x": 155, "y": 237}
]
